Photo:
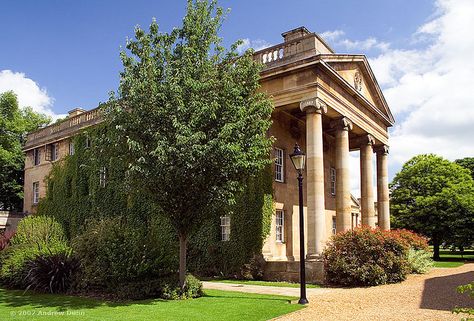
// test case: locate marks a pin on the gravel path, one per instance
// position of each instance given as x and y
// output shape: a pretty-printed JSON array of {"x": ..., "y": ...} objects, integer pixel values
[
  {"x": 421, "y": 297},
  {"x": 263, "y": 289}
]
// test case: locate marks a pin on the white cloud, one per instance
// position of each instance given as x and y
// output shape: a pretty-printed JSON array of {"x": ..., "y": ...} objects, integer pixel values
[
  {"x": 335, "y": 37},
  {"x": 430, "y": 89},
  {"x": 28, "y": 91},
  {"x": 257, "y": 45},
  {"x": 331, "y": 35}
]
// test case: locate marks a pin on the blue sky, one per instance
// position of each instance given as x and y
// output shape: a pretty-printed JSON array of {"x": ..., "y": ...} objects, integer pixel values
[
  {"x": 58, "y": 55},
  {"x": 71, "y": 48}
]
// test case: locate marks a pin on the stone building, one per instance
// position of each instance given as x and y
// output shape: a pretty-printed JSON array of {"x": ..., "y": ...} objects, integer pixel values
[{"x": 328, "y": 103}]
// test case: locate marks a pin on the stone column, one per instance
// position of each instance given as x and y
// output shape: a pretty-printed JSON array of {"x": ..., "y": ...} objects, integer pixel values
[
  {"x": 383, "y": 198},
  {"x": 343, "y": 185},
  {"x": 316, "y": 218},
  {"x": 366, "y": 186}
]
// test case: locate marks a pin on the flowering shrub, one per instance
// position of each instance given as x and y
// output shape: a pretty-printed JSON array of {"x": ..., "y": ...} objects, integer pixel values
[
  {"x": 411, "y": 239},
  {"x": 365, "y": 256}
]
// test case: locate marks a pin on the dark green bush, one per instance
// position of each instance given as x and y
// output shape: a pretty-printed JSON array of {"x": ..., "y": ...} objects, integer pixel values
[
  {"x": 365, "y": 257},
  {"x": 51, "y": 272},
  {"x": 115, "y": 252}
]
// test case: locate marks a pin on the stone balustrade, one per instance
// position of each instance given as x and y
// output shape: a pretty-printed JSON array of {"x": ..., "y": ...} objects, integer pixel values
[
  {"x": 291, "y": 50},
  {"x": 63, "y": 128}
]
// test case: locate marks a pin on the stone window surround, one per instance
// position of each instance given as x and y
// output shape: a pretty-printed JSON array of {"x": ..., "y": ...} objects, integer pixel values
[
  {"x": 280, "y": 226},
  {"x": 279, "y": 164},
  {"x": 35, "y": 192}
]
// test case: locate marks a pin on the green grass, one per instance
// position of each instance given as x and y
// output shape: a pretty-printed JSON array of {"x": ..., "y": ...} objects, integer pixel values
[
  {"x": 215, "y": 305},
  {"x": 447, "y": 264},
  {"x": 267, "y": 283},
  {"x": 450, "y": 259}
]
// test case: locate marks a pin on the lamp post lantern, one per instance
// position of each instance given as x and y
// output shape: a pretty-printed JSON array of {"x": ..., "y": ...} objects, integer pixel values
[{"x": 298, "y": 159}]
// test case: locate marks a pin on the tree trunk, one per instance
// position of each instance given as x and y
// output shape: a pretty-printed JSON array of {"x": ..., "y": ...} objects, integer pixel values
[
  {"x": 435, "y": 250},
  {"x": 182, "y": 260}
]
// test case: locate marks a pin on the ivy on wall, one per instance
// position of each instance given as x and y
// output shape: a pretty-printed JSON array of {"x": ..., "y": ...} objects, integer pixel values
[{"x": 75, "y": 195}]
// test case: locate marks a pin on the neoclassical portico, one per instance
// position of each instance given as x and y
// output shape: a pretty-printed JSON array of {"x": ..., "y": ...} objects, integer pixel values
[
  {"x": 314, "y": 109},
  {"x": 331, "y": 105}
]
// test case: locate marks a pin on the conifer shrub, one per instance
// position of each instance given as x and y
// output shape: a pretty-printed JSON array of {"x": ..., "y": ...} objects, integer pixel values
[{"x": 365, "y": 257}]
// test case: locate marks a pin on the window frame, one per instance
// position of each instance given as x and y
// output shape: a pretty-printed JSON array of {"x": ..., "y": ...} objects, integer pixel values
[
  {"x": 225, "y": 228},
  {"x": 35, "y": 193},
  {"x": 36, "y": 157},
  {"x": 280, "y": 226},
  {"x": 332, "y": 180},
  {"x": 279, "y": 154},
  {"x": 334, "y": 225},
  {"x": 72, "y": 151}
]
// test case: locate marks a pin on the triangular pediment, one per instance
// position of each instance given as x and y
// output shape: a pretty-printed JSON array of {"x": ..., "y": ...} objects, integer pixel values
[{"x": 356, "y": 73}]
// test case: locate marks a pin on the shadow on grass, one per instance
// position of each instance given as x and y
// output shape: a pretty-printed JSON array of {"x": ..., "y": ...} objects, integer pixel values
[
  {"x": 439, "y": 293},
  {"x": 17, "y": 298}
]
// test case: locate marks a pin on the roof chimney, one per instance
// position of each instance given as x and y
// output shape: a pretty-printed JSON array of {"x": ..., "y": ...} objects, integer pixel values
[
  {"x": 295, "y": 34},
  {"x": 75, "y": 112}
]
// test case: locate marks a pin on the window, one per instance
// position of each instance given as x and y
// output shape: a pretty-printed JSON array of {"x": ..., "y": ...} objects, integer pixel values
[
  {"x": 102, "y": 176},
  {"x": 280, "y": 221},
  {"x": 36, "y": 156},
  {"x": 279, "y": 165},
  {"x": 52, "y": 152},
  {"x": 225, "y": 228},
  {"x": 88, "y": 142},
  {"x": 71, "y": 148},
  {"x": 35, "y": 192},
  {"x": 332, "y": 172},
  {"x": 333, "y": 225}
]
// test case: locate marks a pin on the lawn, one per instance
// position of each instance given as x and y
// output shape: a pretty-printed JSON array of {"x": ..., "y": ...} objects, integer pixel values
[
  {"x": 215, "y": 305},
  {"x": 450, "y": 259},
  {"x": 267, "y": 283}
]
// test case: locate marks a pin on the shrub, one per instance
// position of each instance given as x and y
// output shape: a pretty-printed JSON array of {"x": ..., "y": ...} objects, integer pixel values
[
  {"x": 51, "y": 272},
  {"x": 114, "y": 253},
  {"x": 365, "y": 256},
  {"x": 16, "y": 258},
  {"x": 5, "y": 238},
  {"x": 38, "y": 229},
  {"x": 411, "y": 239},
  {"x": 35, "y": 236},
  {"x": 419, "y": 260}
]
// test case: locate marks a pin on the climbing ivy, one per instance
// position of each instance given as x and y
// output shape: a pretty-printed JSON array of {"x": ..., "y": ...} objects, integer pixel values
[{"x": 75, "y": 195}]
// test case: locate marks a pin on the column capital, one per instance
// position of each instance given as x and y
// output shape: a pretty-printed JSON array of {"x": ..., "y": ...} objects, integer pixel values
[
  {"x": 382, "y": 149},
  {"x": 314, "y": 105},
  {"x": 343, "y": 123},
  {"x": 367, "y": 140}
]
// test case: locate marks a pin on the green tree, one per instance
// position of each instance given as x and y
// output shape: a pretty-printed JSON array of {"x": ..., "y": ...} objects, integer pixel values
[
  {"x": 14, "y": 124},
  {"x": 468, "y": 163},
  {"x": 434, "y": 197},
  {"x": 188, "y": 119}
]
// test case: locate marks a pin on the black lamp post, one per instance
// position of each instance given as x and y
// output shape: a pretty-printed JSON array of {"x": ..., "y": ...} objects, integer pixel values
[{"x": 298, "y": 160}]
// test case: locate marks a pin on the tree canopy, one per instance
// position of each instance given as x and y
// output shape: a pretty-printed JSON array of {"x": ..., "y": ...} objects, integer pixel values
[
  {"x": 467, "y": 163},
  {"x": 434, "y": 197},
  {"x": 14, "y": 124},
  {"x": 189, "y": 119}
]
